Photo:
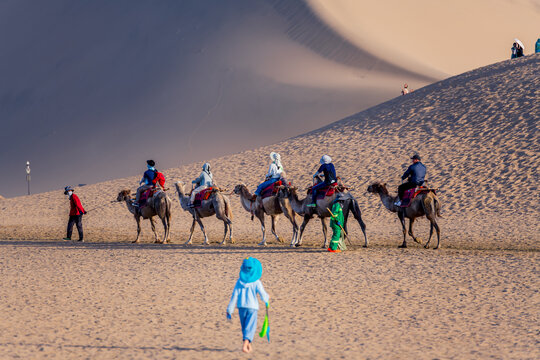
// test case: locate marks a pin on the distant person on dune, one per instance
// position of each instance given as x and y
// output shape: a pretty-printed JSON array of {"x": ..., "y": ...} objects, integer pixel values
[
  {"x": 244, "y": 297},
  {"x": 147, "y": 180},
  {"x": 514, "y": 51},
  {"x": 415, "y": 175},
  {"x": 405, "y": 90},
  {"x": 275, "y": 173},
  {"x": 537, "y": 48},
  {"x": 204, "y": 181},
  {"x": 517, "y": 50},
  {"x": 76, "y": 212}
]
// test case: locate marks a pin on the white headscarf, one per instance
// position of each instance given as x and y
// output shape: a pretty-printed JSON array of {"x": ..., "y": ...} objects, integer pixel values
[
  {"x": 276, "y": 159},
  {"x": 206, "y": 169},
  {"x": 326, "y": 159}
]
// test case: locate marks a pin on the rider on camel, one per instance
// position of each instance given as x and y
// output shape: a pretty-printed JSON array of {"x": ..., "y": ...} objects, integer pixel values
[
  {"x": 275, "y": 173},
  {"x": 329, "y": 171},
  {"x": 204, "y": 181},
  {"x": 415, "y": 175},
  {"x": 146, "y": 181}
]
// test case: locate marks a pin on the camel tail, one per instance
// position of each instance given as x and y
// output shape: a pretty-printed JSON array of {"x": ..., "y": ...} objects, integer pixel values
[{"x": 437, "y": 206}]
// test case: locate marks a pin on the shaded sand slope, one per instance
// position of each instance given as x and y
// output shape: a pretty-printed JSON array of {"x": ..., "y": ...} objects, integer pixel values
[{"x": 477, "y": 133}]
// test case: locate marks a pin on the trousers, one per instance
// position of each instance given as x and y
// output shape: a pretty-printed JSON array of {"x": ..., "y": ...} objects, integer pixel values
[
  {"x": 404, "y": 187},
  {"x": 248, "y": 320},
  {"x": 264, "y": 185},
  {"x": 196, "y": 191},
  {"x": 77, "y": 220}
]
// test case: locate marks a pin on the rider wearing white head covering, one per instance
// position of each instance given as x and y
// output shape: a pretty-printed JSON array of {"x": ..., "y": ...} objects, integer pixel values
[
  {"x": 275, "y": 172},
  {"x": 204, "y": 181}
]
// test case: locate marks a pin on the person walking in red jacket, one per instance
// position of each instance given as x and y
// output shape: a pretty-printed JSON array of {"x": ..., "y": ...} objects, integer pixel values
[{"x": 75, "y": 214}]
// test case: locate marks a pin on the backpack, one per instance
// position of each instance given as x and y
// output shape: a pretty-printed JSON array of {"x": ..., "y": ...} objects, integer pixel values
[{"x": 159, "y": 178}]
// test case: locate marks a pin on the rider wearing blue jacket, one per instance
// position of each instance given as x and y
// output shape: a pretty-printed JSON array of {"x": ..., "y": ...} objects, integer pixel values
[
  {"x": 329, "y": 171},
  {"x": 415, "y": 175}
]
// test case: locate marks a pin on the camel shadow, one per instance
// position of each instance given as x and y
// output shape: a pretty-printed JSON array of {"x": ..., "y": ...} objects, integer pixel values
[{"x": 117, "y": 347}]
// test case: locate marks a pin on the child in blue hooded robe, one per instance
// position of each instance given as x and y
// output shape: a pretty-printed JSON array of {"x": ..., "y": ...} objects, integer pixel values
[{"x": 244, "y": 297}]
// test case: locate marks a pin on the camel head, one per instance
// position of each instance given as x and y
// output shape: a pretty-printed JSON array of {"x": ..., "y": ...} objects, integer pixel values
[
  {"x": 284, "y": 191},
  {"x": 238, "y": 189},
  {"x": 179, "y": 186},
  {"x": 124, "y": 195},
  {"x": 377, "y": 188}
]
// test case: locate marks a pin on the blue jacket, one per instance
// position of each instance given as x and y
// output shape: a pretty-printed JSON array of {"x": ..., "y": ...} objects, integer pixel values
[
  {"x": 329, "y": 173},
  {"x": 148, "y": 176},
  {"x": 416, "y": 173},
  {"x": 245, "y": 296}
]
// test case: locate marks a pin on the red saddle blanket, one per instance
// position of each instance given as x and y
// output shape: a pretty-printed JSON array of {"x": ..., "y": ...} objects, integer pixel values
[
  {"x": 410, "y": 194},
  {"x": 325, "y": 191},
  {"x": 271, "y": 190},
  {"x": 147, "y": 194},
  {"x": 204, "y": 195}
]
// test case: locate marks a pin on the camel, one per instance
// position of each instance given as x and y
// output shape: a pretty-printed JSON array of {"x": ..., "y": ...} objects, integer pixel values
[
  {"x": 300, "y": 207},
  {"x": 425, "y": 204},
  {"x": 217, "y": 204},
  {"x": 159, "y": 205},
  {"x": 271, "y": 206}
]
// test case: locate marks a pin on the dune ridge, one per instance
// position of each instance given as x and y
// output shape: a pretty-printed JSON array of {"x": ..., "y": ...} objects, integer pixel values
[{"x": 476, "y": 132}]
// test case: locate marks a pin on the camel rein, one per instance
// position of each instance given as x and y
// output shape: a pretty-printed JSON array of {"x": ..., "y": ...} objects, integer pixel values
[{"x": 100, "y": 206}]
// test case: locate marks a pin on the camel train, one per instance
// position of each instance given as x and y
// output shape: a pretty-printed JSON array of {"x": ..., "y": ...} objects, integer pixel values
[{"x": 275, "y": 197}]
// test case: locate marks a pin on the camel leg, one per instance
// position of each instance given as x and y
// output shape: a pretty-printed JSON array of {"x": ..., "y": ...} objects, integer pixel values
[
  {"x": 302, "y": 228},
  {"x": 191, "y": 232},
  {"x": 203, "y": 231},
  {"x": 358, "y": 216},
  {"x": 438, "y": 234},
  {"x": 401, "y": 216},
  {"x": 274, "y": 218},
  {"x": 227, "y": 223},
  {"x": 153, "y": 225},
  {"x": 411, "y": 222},
  {"x": 165, "y": 231},
  {"x": 292, "y": 219},
  {"x": 263, "y": 229},
  {"x": 325, "y": 231},
  {"x": 430, "y": 235},
  {"x": 138, "y": 220}
]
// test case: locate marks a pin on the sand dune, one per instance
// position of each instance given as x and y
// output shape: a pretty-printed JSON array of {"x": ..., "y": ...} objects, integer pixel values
[
  {"x": 84, "y": 80},
  {"x": 477, "y": 133}
]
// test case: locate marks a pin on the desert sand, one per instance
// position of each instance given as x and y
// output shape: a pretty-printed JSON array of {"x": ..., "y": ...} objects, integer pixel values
[{"x": 477, "y": 297}]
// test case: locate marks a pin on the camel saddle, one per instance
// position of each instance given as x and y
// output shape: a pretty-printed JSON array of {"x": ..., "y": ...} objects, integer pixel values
[
  {"x": 203, "y": 195},
  {"x": 271, "y": 190},
  {"x": 328, "y": 190},
  {"x": 147, "y": 194},
  {"x": 410, "y": 194}
]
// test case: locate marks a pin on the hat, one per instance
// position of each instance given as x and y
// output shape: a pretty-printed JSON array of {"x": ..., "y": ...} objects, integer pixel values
[
  {"x": 251, "y": 270},
  {"x": 325, "y": 160},
  {"x": 151, "y": 162},
  {"x": 67, "y": 188},
  {"x": 416, "y": 157}
]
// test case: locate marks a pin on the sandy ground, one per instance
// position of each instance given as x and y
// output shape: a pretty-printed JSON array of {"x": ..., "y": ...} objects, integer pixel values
[{"x": 65, "y": 300}]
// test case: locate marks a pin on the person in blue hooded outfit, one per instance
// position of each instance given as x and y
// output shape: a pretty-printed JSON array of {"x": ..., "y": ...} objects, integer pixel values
[
  {"x": 329, "y": 171},
  {"x": 146, "y": 181},
  {"x": 244, "y": 296}
]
